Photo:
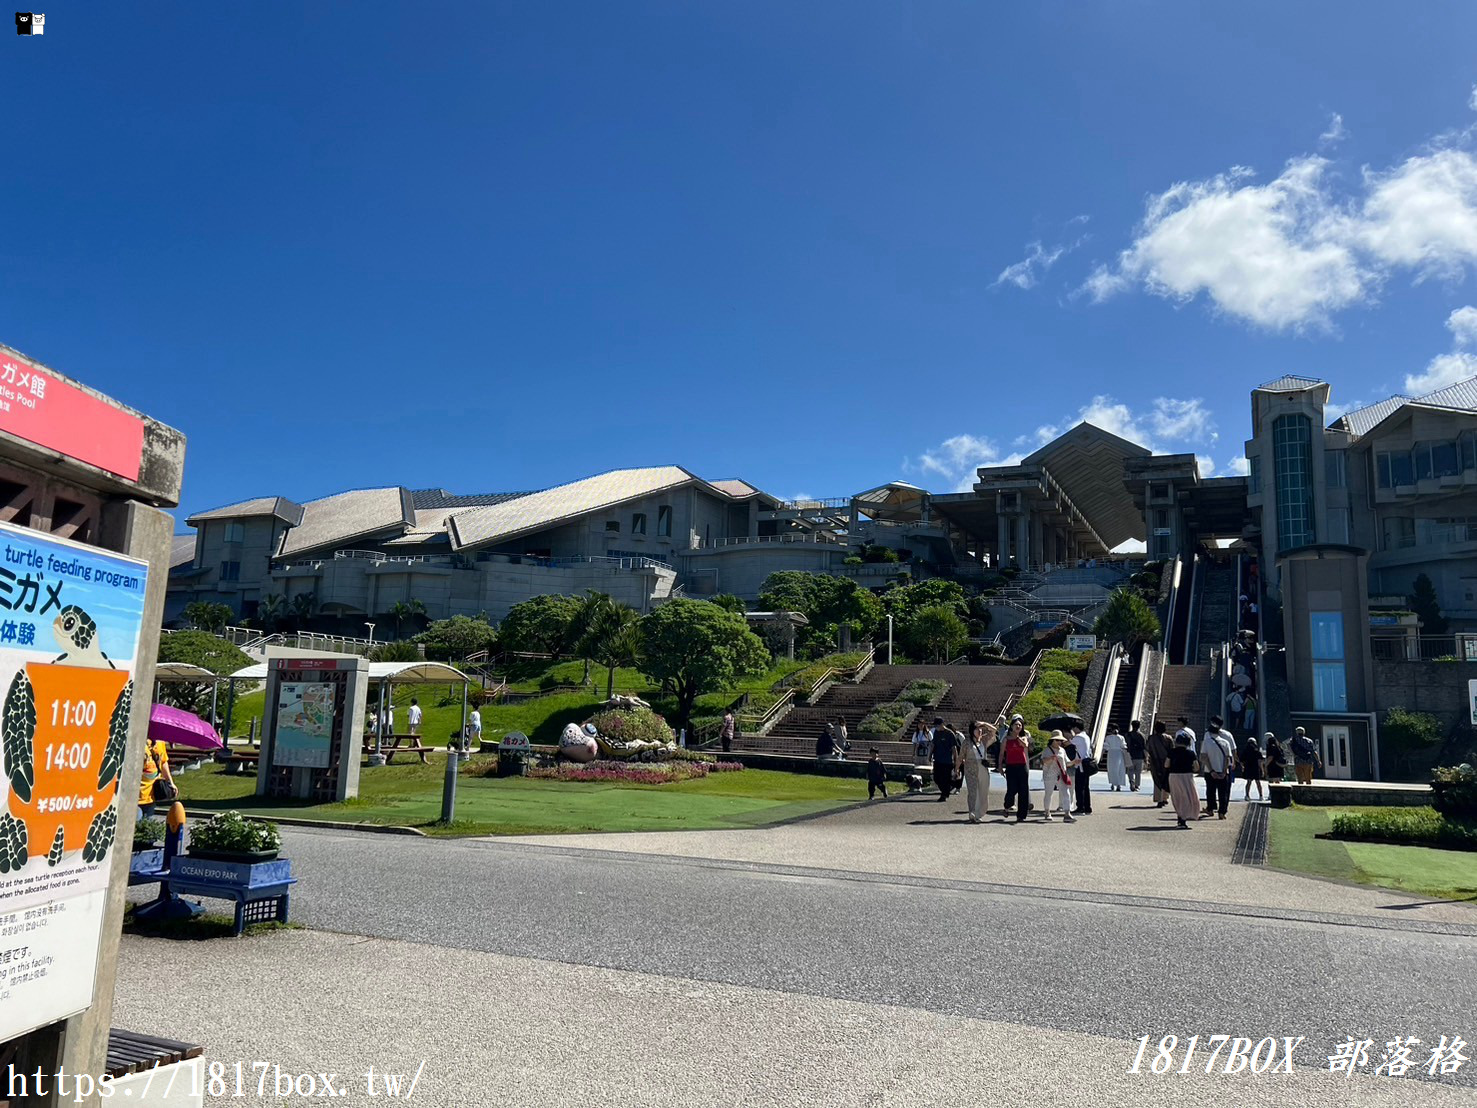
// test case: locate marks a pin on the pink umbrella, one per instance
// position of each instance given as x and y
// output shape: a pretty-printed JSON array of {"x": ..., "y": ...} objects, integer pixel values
[{"x": 178, "y": 727}]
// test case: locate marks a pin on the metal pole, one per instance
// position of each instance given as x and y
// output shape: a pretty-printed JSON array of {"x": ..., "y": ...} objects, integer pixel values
[
  {"x": 230, "y": 706},
  {"x": 215, "y": 689},
  {"x": 448, "y": 790},
  {"x": 465, "y": 743},
  {"x": 889, "y": 640}
]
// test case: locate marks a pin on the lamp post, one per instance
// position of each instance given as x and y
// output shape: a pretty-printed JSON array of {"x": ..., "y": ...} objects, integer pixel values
[
  {"x": 371, "y": 632},
  {"x": 889, "y": 639}
]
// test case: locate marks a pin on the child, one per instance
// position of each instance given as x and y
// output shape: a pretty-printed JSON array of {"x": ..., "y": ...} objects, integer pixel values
[{"x": 876, "y": 776}]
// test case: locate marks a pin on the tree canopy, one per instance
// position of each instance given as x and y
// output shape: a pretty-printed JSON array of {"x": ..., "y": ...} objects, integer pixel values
[
  {"x": 197, "y": 648},
  {"x": 695, "y": 648},
  {"x": 451, "y": 640},
  {"x": 935, "y": 632},
  {"x": 1127, "y": 619},
  {"x": 540, "y": 625},
  {"x": 829, "y": 603}
]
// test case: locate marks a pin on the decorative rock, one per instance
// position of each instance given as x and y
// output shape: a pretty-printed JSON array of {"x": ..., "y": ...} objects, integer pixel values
[
  {"x": 577, "y": 746},
  {"x": 625, "y": 703}
]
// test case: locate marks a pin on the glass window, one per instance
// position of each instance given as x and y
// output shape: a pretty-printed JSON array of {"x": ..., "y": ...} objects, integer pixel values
[
  {"x": 1338, "y": 525},
  {"x": 1333, "y": 468},
  {"x": 1422, "y": 458},
  {"x": 638, "y": 523},
  {"x": 1292, "y": 442},
  {"x": 1383, "y": 465},
  {"x": 1330, "y": 687},
  {"x": 613, "y": 526},
  {"x": 1328, "y": 636},
  {"x": 235, "y": 532},
  {"x": 664, "y": 520},
  {"x": 1444, "y": 460},
  {"x": 1401, "y": 470},
  {"x": 1256, "y": 475},
  {"x": 1469, "y": 450},
  {"x": 230, "y": 571}
]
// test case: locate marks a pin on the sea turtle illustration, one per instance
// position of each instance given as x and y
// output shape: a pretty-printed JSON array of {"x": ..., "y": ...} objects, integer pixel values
[{"x": 76, "y": 634}]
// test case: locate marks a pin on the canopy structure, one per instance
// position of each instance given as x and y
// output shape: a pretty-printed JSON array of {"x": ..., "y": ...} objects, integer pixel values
[
  {"x": 423, "y": 673},
  {"x": 166, "y": 672}
]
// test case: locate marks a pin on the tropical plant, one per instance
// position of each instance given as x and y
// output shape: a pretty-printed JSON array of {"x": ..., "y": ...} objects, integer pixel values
[
  {"x": 302, "y": 608},
  {"x": 231, "y": 832},
  {"x": 584, "y": 631},
  {"x": 1456, "y": 791},
  {"x": 694, "y": 647},
  {"x": 402, "y": 610},
  {"x": 629, "y": 726},
  {"x": 406, "y": 651},
  {"x": 269, "y": 610},
  {"x": 617, "y": 643},
  {"x": 539, "y": 625},
  {"x": 1409, "y": 733},
  {"x": 729, "y": 603},
  {"x": 454, "y": 639},
  {"x": 206, "y": 616},
  {"x": 935, "y": 632},
  {"x": 147, "y": 832},
  {"x": 887, "y": 719},
  {"x": 1127, "y": 619}
]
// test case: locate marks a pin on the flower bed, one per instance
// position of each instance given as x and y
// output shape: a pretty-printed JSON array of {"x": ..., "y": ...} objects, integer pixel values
[
  {"x": 630, "y": 726},
  {"x": 637, "y": 773},
  {"x": 1409, "y": 826},
  {"x": 886, "y": 720},
  {"x": 924, "y": 694}
]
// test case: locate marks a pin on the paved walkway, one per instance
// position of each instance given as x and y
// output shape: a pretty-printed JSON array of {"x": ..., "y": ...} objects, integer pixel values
[{"x": 1126, "y": 846}]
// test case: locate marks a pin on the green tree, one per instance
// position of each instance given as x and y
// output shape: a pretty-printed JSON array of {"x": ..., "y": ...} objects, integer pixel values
[
  {"x": 790, "y": 591},
  {"x": 269, "y": 611},
  {"x": 935, "y": 632},
  {"x": 302, "y": 608},
  {"x": 1127, "y": 619},
  {"x": 585, "y": 629},
  {"x": 457, "y": 638},
  {"x": 197, "y": 648},
  {"x": 729, "y": 603},
  {"x": 831, "y": 604},
  {"x": 206, "y": 616},
  {"x": 402, "y": 610},
  {"x": 1409, "y": 734},
  {"x": 540, "y": 625},
  {"x": 695, "y": 647},
  {"x": 1425, "y": 604},
  {"x": 615, "y": 641}
]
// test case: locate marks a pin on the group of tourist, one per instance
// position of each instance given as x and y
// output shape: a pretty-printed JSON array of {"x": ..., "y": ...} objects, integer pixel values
[
  {"x": 1067, "y": 766},
  {"x": 833, "y": 743}
]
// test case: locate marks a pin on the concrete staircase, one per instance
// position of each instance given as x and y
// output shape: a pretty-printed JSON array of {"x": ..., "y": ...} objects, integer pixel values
[
  {"x": 1219, "y": 607},
  {"x": 1183, "y": 692}
]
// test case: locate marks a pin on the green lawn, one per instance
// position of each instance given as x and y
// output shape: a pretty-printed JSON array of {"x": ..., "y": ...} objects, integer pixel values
[
  {"x": 410, "y": 796},
  {"x": 1292, "y": 845}
]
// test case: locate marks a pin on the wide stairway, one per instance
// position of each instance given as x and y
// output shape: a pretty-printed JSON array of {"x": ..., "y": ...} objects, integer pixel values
[
  {"x": 1183, "y": 693},
  {"x": 977, "y": 692},
  {"x": 1219, "y": 607}
]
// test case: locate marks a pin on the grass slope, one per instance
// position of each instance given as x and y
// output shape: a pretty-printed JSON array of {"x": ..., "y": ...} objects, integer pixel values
[
  {"x": 1292, "y": 845},
  {"x": 410, "y": 796}
]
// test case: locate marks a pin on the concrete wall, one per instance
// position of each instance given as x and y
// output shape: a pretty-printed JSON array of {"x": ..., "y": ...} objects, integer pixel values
[
  {"x": 741, "y": 570},
  {"x": 1439, "y": 688}
]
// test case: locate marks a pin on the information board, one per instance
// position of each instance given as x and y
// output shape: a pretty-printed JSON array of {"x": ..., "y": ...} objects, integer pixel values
[
  {"x": 70, "y": 618},
  {"x": 305, "y": 724}
]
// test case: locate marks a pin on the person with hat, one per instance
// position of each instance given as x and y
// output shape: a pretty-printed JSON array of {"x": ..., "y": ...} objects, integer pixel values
[
  {"x": 1249, "y": 766},
  {"x": 977, "y": 769},
  {"x": 1056, "y": 777},
  {"x": 947, "y": 757},
  {"x": 1217, "y": 759},
  {"x": 1015, "y": 758},
  {"x": 1304, "y": 756}
]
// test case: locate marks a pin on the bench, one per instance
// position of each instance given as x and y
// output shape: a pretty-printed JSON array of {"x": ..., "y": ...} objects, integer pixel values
[
  {"x": 259, "y": 889},
  {"x": 236, "y": 761},
  {"x": 145, "y": 1068},
  {"x": 404, "y": 743}
]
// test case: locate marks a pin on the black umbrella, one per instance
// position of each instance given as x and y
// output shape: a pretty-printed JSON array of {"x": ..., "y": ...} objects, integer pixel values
[{"x": 1063, "y": 722}]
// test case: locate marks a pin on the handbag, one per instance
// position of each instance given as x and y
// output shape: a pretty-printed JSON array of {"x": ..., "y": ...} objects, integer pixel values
[
  {"x": 164, "y": 791},
  {"x": 1088, "y": 767}
]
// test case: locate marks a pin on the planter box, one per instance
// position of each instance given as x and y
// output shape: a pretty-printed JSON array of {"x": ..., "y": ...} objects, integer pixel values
[
  {"x": 195, "y": 869},
  {"x": 246, "y": 857}
]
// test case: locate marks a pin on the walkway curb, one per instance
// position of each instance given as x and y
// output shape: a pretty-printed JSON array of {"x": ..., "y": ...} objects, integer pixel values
[{"x": 332, "y": 825}]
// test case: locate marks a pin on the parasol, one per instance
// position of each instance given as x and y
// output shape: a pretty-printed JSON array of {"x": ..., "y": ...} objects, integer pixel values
[{"x": 177, "y": 727}]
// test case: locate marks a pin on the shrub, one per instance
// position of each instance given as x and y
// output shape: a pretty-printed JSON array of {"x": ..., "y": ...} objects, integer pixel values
[
  {"x": 1409, "y": 733},
  {"x": 851, "y": 560},
  {"x": 395, "y": 652},
  {"x": 1066, "y": 661},
  {"x": 1416, "y": 826},
  {"x": 886, "y": 719},
  {"x": 634, "y": 773},
  {"x": 147, "y": 832},
  {"x": 925, "y": 694},
  {"x": 1059, "y": 688},
  {"x": 1456, "y": 791},
  {"x": 231, "y": 831},
  {"x": 642, "y": 724}
]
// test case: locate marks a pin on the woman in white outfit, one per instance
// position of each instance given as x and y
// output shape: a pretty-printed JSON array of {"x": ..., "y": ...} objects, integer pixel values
[
  {"x": 977, "y": 769},
  {"x": 1056, "y": 777},
  {"x": 1116, "y": 749}
]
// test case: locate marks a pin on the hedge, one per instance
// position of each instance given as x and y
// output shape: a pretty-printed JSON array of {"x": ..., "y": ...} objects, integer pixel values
[
  {"x": 1065, "y": 661},
  {"x": 886, "y": 719},
  {"x": 1413, "y": 826},
  {"x": 925, "y": 694},
  {"x": 1456, "y": 791}
]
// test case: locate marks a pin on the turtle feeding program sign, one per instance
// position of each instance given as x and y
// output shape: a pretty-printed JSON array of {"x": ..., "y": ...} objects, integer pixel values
[{"x": 70, "y": 618}]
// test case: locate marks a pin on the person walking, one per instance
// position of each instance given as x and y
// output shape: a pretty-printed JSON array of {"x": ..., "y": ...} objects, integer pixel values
[
  {"x": 1217, "y": 759},
  {"x": 948, "y": 757},
  {"x": 1134, "y": 741},
  {"x": 977, "y": 769},
  {"x": 156, "y": 769},
  {"x": 1115, "y": 748},
  {"x": 876, "y": 776},
  {"x": 1275, "y": 761},
  {"x": 1305, "y": 757},
  {"x": 1248, "y": 712},
  {"x": 922, "y": 742},
  {"x": 1181, "y": 767},
  {"x": 1249, "y": 766},
  {"x": 725, "y": 731},
  {"x": 1083, "y": 766},
  {"x": 1157, "y": 748},
  {"x": 843, "y": 744},
  {"x": 413, "y": 717},
  {"x": 1016, "y": 788},
  {"x": 1056, "y": 777},
  {"x": 474, "y": 725},
  {"x": 1015, "y": 753}
]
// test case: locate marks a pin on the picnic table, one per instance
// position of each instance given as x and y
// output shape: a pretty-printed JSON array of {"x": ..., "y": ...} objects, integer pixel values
[{"x": 401, "y": 743}]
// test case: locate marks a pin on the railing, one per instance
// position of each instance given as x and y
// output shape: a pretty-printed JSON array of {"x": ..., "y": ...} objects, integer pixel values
[
  {"x": 564, "y": 563},
  {"x": 1423, "y": 648},
  {"x": 1013, "y": 698},
  {"x": 405, "y": 559},
  {"x": 828, "y": 675},
  {"x": 817, "y": 537},
  {"x": 814, "y": 505}
]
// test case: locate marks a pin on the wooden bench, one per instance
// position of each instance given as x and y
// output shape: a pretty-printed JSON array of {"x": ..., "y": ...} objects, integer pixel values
[
  {"x": 237, "y": 760},
  {"x": 404, "y": 743}
]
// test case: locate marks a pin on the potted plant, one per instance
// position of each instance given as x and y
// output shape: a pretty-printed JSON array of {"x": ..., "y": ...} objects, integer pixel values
[
  {"x": 231, "y": 837},
  {"x": 147, "y": 834}
]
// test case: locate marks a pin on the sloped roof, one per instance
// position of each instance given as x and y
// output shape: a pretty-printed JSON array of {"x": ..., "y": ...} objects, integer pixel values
[
  {"x": 181, "y": 550},
  {"x": 1088, "y": 464},
  {"x": 734, "y": 487},
  {"x": 1462, "y": 395},
  {"x": 430, "y": 499},
  {"x": 278, "y": 506},
  {"x": 1290, "y": 382},
  {"x": 333, "y": 520},
  {"x": 539, "y": 510},
  {"x": 1363, "y": 420}
]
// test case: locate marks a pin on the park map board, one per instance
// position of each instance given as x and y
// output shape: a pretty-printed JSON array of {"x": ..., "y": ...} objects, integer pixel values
[
  {"x": 70, "y": 618},
  {"x": 305, "y": 724}
]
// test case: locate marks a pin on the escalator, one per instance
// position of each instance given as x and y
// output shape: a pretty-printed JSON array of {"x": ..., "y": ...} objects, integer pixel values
[
  {"x": 1179, "y": 635},
  {"x": 1125, "y": 691}
]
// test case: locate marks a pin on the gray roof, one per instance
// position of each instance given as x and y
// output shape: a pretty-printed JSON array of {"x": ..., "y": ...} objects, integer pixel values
[
  {"x": 428, "y": 499},
  {"x": 541, "y": 510},
  {"x": 335, "y": 520},
  {"x": 1290, "y": 382},
  {"x": 1362, "y": 421},
  {"x": 278, "y": 506},
  {"x": 182, "y": 550},
  {"x": 1461, "y": 395}
]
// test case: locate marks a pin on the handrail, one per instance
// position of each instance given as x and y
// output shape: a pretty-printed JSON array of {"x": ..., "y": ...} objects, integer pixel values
[
  {"x": 821, "y": 537},
  {"x": 1013, "y": 698},
  {"x": 829, "y": 674},
  {"x": 1192, "y": 631}
]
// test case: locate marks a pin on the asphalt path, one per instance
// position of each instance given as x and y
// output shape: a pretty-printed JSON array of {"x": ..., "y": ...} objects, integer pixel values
[{"x": 1120, "y": 967}]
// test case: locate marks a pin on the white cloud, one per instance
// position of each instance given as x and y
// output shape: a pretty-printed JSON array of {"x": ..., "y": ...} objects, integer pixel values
[
  {"x": 957, "y": 459},
  {"x": 1456, "y": 365},
  {"x": 1027, "y": 273},
  {"x": 1335, "y": 132},
  {"x": 1472, "y": 102},
  {"x": 1206, "y": 464},
  {"x": 1290, "y": 253},
  {"x": 1238, "y": 467},
  {"x": 1182, "y": 419}
]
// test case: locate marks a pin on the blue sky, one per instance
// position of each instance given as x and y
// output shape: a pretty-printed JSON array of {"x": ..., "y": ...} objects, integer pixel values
[{"x": 493, "y": 247}]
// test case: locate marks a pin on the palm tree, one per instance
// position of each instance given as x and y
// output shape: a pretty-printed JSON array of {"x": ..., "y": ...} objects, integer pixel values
[
  {"x": 302, "y": 607},
  {"x": 269, "y": 610},
  {"x": 619, "y": 643},
  {"x": 399, "y": 612},
  {"x": 586, "y": 628}
]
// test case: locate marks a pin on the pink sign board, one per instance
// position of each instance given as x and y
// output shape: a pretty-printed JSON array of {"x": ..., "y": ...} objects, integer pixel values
[{"x": 42, "y": 408}]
